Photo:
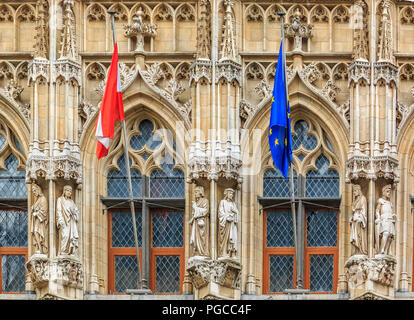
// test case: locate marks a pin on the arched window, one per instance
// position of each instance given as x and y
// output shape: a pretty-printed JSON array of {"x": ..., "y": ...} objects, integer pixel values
[
  {"x": 159, "y": 195},
  {"x": 317, "y": 195},
  {"x": 13, "y": 216}
]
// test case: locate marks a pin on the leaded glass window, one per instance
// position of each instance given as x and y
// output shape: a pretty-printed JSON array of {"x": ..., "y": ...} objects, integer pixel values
[
  {"x": 167, "y": 183},
  {"x": 322, "y": 228},
  {"x": 126, "y": 273},
  {"x": 167, "y": 274},
  {"x": 321, "y": 273},
  {"x": 276, "y": 186},
  {"x": 323, "y": 183},
  {"x": 279, "y": 231},
  {"x": 281, "y": 272},
  {"x": 303, "y": 137},
  {"x": 123, "y": 231},
  {"x": 13, "y": 273},
  {"x": 167, "y": 229},
  {"x": 12, "y": 181},
  {"x": 146, "y": 138},
  {"x": 117, "y": 181},
  {"x": 13, "y": 228},
  {"x": 316, "y": 188}
]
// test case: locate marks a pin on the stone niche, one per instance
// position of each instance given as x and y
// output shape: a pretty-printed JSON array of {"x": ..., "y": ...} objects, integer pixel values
[
  {"x": 215, "y": 279},
  {"x": 58, "y": 278},
  {"x": 371, "y": 278}
]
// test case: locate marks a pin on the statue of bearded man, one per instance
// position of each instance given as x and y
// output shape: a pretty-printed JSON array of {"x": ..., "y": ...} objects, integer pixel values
[
  {"x": 228, "y": 221},
  {"x": 67, "y": 216}
]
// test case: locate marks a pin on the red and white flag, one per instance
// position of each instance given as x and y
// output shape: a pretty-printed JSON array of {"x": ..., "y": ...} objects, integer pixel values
[{"x": 112, "y": 108}]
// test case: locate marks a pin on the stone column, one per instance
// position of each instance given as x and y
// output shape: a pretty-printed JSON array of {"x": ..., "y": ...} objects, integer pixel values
[{"x": 54, "y": 155}]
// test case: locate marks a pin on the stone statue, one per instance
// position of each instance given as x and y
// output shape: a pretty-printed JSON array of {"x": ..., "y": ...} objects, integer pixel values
[
  {"x": 39, "y": 221},
  {"x": 358, "y": 221},
  {"x": 384, "y": 222},
  {"x": 200, "y": 224},
  {"x": 228, "y": 221},
  {"x": 67, "y": 216}
]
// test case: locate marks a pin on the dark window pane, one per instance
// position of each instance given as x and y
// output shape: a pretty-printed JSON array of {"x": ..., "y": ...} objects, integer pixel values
[
  {"x": 126, "y": 273},
  {"x": 323, "y": 183},
  {"x": 279, "y": 229},
  {"x": 13, "y": 228},
  {"x": 123, "y": 231},
  {"x": 281, "y": 273},
  {"x": 167, "y": 274},
  {"x": 322, "y": 228},
  {"x": 117, "y": 181},
  {"x": 321, "y": 273},
  {"x": 167, "y": 229},
  {"x": 276, "y": 186},
  {"x": 12, "y": 181},
  {"x": 13, "y": 273},
  {"x": 168, "y": 183}
]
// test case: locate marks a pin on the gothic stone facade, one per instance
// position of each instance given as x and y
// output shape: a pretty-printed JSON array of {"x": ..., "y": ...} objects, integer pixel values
[{"x": 197, "y": 79}]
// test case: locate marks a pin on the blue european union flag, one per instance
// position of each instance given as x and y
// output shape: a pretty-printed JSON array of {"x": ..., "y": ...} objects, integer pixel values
[{"x": 280, "y": 134}]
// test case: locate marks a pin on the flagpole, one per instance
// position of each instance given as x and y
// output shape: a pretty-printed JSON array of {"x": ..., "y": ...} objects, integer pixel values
[
  {"x": 299, "y": 283},
  {"x": 131, "y": 197}
]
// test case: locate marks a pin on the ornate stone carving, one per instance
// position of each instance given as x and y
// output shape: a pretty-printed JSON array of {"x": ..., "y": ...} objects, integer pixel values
[
  {"x": 39, "y": 228},
  {"x": 139, "y": 29},
  {"x": 229, "y": 48},
  {"x": 199, "y": 222},
  {"x": 121, "y": 13},
  {"x": 359, "y": 72},
  {"x": 385, "y": 71},
  {"x": 174, "y": 88},
  {"x": 68, "y": 70},
  {"x": 12, "y": 93},
  {"x": 330, "y": 90},
  {"x": 385, "y": 45},
  {"x": 69, "y": 272},
  {"x": 26, "y": 13},
  {"x": 68, "y": 49},
  {"x": 228, "y": 219},
  {"x": 358, "y": 222},
  {"x": 200, "y": 69},
  {"x": 379, "y": 269},
  {"x": 96, "y": 13},
  {"x": 254, "y": 13},
  {"x": 5, "y": 13},
  {"x": 186, "y": 13},
  {"x": 298, "y": 30},
  {"x": 246, "y": 109},
  {"x": 38, "y": 269},
  {"x": 204, "y": 30},
  {"x": 385, "y": 220},
  {"x": 199, "y": 271},
  {"x": 163, "y": 13},
  {"x": 344, "y": 110},
  {"x": 67, "y": 217},
  {"x": 42, "y": 30},
  {"x": 320, "y": 15},
  {"x": 407, "y": 15},
  {"x": 226, "y": 272},
  {"x": 360, "y": 27},
  {"x": 263, "y": 89},
  {"x": 386, "y": 167},
  {"x": 38, "y": 67},
  {"x": 358, "y": 166},
  {"x": 407, "y": 72},
  {"x": 63, "y": 163},
  {"x": 340, "y": 15},
  {"x": 310, "y": 73}
]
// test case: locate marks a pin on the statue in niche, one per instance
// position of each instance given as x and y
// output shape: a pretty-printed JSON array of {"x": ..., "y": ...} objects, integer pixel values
[
  {"x": 384, "y": 222},
  {"x": 39, "y": 221},
  {"x": 228, "y": 221},
  {"x": 200, "y": 224},
  {"x": 358, "y": 221},
  {"x": 67, "y": 216}
]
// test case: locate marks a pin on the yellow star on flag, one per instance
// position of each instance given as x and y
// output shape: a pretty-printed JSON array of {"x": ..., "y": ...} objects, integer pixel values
[
  {"x": 285, "y": 142},
  {"x": 276, "y": 142},
  {"x": 270, "y": 132},
  {"x": 288, "y": 115}
]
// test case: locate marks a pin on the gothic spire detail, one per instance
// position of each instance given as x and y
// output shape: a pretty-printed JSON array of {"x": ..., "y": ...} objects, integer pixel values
[
  {"x": 68, "y": 48},
  {"x": 204, "y": 30},
  {"x": 229, "y": 49},
  {"x": 385, "y": 51},
  {"x": 360, "y": 26},
  {"x": 41, "y": 46}
]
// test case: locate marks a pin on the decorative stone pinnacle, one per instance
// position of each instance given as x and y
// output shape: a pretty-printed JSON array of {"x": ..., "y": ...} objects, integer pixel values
[{"x": 139, "y": 29}]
